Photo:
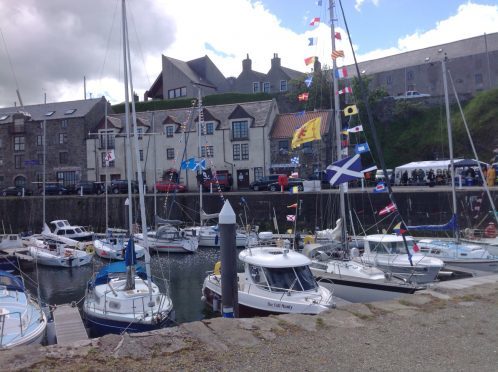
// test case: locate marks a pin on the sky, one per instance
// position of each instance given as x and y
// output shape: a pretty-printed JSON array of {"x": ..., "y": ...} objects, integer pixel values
[{"x": 49, "y": 48}]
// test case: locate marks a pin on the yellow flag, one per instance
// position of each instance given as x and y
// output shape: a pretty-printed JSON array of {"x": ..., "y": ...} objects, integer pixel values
[
  {"x": 309, "y": 131},
  {"x": 350, "y": 110}
]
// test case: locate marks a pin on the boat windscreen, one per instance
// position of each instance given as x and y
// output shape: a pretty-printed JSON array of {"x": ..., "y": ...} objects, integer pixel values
[{"x": 290, "y": 278}]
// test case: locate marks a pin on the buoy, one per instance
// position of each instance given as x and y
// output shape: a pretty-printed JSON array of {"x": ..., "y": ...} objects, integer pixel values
[{"x": 90, "y": 249}]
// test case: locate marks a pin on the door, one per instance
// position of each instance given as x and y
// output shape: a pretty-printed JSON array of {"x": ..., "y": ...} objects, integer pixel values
[{"x": 242, "y": 179}]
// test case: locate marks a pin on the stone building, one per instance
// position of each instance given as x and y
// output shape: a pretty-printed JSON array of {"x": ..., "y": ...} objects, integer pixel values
[{"x": 22, "y": 150}]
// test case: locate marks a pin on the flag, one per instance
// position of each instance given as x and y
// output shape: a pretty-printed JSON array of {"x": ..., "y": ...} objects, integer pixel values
[
  {"x": 183, "y": 165},
  {"x": 312, "y": 41},
  {"x": 303, "y": 97},
  {"x": 200, "y": 164},
  {"x": 350, "y": 110},
  {"x": 291, "y": 217},
  {"x": 400, "y": 228},
  {"x": 361, "y": 148},
  {"x": 358, "y": 128},
  {"x": 345, "y": 143},
  {"x": 415, "y": 248},
  {"x": 205, "y": 175},
  {"x": 292, "y": 205},
  {"x": 345, "y": 90},
  {"x": 341, "y": 72},
  {"x": 391, "y": 207},
  {"x": 110, "y": 156},
  {"x": 319, "y": 3},
  {"x": 130, "y": 257},
  {"x": 315, "y": 21},
  {"x": 338, "y": 35},
  {"x": 337, "y": 53},
  {"x": 380, "y": 187},
  {"x": 344, "y": 170},
  {"x": 308, "y": 81},
  {"x": 309, "y": 61},
  {"x": 294, "y": 190},
  {"x": 309, "y": 131},
  {"x": 295, "y": 160},
  {"x": 191, "y": 163}
]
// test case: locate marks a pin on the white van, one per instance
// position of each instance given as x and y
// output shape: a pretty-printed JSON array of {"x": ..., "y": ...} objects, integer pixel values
[{"x": 379, "y": 175}]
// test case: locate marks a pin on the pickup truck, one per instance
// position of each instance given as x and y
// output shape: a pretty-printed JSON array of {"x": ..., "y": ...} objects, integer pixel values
[{"x": 412, "y": 94}]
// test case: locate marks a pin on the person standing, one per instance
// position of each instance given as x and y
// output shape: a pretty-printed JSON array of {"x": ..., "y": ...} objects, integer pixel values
[{"x": 491, "y": 176}]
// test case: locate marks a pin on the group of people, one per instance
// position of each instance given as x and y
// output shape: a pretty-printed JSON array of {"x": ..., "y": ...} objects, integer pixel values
[{"x": 468, "y": 176}]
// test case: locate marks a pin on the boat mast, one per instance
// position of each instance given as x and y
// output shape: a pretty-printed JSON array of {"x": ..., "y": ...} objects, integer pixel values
[
  {"x": 199, "y": 170},
  {"x": 450, "y": 140},
  {"x": 337, "y": 123},
  {"x": 143, "y": 217}
]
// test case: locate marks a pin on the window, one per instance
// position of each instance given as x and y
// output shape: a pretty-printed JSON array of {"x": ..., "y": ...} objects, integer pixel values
[
  {"x": 69, "y": 112},
  {"x": 209, "y": 128},
  {"x": 64, "y": 124},
  {"x": 20, "y": 181},
  {"x": 170, "y": 153},
  {"x": 283, "y": 146},
  {"x": 240, "y": 130},
  {"x": 19, "y": 161},
  {"x": 62, "y": 138},
  {"x": 255, "y": 87},
  {"x": 258, "y": 173},
  {"x": 389, "y": 80},
  {"x": 39, "y": 140},
  {"x": 141, "y": 154},
  {"x": 140, "y": 132},
  {"x": 266, "y": 87},
  {"x": 283, "y": 85},
  {"x": 236, "y": 152},
  {"x": 104, "y": 162},
  {"x": 39, "y": 157},
  {"x": 50, "y": 113},
  {"x": 169, "y": 130},
  {"x": 478, "y": 78},
  {"x": 107, "y": 139},
  {"x": 207, "y": 154},
  {"x": 63, "y": 157},
  {"x": 244, "y": 149},
  {"x": 409, "y": 75},
  {"x": 19, "y": 143},
  {"x": 177, "y": 92}
]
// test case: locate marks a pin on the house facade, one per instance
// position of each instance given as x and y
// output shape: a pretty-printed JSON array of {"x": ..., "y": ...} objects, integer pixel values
[
  {"x": 25, "y": 155},
  {"x": 233, "y": 138}
]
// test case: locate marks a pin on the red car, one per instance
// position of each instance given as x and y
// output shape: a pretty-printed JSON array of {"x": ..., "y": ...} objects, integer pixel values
[{"x": 169, "y": 186}]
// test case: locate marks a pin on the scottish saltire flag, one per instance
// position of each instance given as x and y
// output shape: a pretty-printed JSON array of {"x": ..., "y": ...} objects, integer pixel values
[
  {"x": 341, "y": 72},
  {"x": 295, "y": 160},
  {"x": 312, "y": 41},
  {"x": 308, "y": 81},
  {"x": 380, "y": 187},
  {"x": 344, "y": 170},
  {"x": 361, "y": 148},
  {"x": 200, "y": 164},
  {"x": 188, "y": 164}
]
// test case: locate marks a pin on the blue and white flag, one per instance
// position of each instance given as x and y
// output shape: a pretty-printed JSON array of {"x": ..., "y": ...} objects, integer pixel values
[
  {"x": 200, "y": 164},
  {"x": 308, "y": 81},
  {"x": 361, "y": 148},
  {"x": 191, "y": 164},
  {"x": 380, "y": 187},
  {"x": 295, "y": 160},
  {"x": 312, "y": 41},
  {"x": 344, "y": 170}
]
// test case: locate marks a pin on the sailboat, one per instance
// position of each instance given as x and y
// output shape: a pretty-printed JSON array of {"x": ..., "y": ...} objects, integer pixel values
[
  {"x": 22, "y": 321},
  {"x": 453, "y": 251},
  {"x": 122, "y": 297},
  {"x": 333, "y": 259}
]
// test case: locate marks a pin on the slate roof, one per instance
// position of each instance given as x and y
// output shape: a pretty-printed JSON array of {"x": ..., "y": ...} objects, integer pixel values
[
  {"x": 286, "y": 124},
  {"x": 62, "y": 110},
  {"x": 192, "y": 69},
  {"x": 460, "y": 48}
]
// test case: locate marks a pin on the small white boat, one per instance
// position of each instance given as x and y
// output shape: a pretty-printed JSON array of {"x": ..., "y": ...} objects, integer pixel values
[
  {"x": 168, "y": 238},
  {"x": 22, "y": 321},
  {"x": 75, "y": 232},
  {"x": 388, "y": 253},
  {"x": 209, "y": 236},
  {"x": 52, "y": 253},
  {"x": 460, "y": 254},
  {"x": 112, "y": 245},
  {"x": 275, "y": 281}
]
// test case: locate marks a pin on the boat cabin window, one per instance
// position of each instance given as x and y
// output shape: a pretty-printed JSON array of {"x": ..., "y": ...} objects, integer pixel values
[
  {"x": 258, "y": 276},
  {"x": 114, "y": 305},
  {"x": 290, "y": 278},
  {"x": 392, "y": 247}
]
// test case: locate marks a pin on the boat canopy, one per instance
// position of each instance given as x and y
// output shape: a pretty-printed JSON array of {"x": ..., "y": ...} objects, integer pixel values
[
  {"x": 162, "y": 221},
  {"x": 105, "y": 274},
  {"x": 11, "y": 282}
]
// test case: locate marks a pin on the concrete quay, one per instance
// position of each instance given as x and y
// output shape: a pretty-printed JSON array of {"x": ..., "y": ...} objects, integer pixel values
[{"x": 452, "y": 326}]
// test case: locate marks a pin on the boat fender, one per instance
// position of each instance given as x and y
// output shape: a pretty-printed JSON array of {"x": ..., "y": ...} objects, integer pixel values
[
  {"x": 490, "y": 230},
  {"x": 217, "y": 268},
  {"x": 355, "y": 252},
  {"x": 90, "y": 249},
  {"x": 309, "y": 239}
]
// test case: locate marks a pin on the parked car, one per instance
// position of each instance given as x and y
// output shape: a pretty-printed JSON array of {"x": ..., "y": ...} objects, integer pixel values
[
  {"x": 88, "y": 187},
  {"x": 263, "y": 182},
  {"x": 121, "y": 187},
  {"x": 223, "y": 178},
  {"x": 170, "y": 186},
  {"x": 290, "y": 184},
  {"x": 412, "y": 94},
  {"x": 54, "y": 189},
  {"x": 322, "y": 177},
  {"x": 15, "y": 191}
]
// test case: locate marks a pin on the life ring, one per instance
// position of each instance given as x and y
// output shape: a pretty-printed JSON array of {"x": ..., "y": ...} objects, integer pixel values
[
  {"x": 490, "y": 231},
  {"x": 90, "y": 249},
  {"x": 217, "y": 268}
]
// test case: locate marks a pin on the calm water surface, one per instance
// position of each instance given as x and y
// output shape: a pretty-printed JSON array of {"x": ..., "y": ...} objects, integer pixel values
[{"x": 184, "y": 272}]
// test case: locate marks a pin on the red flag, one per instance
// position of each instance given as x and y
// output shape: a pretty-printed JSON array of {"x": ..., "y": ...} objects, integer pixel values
[
  {"x": 292, "y": 205},
  {"x": 303, "y": 97},
  {"x": 309, "y": 60},
  {"x": 416, "y": 249},
  {"x": 291, "y": 217},
  {"x": 338, "y": 36},
  {"x": 337, "y": 53},
  {"x": 314, "y": 21},
  {"x": 345, "y": 90},
  {"x": 391, "y": 207}
]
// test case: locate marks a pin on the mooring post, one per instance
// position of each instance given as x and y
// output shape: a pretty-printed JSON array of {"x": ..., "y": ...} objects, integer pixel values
[{"x": 229, "y": 286}]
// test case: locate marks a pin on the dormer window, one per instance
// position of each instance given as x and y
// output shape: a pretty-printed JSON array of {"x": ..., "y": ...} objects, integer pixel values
[
  {"x": 169, "y": 130},
  {"x": 50, "y": 113},
  {"x": 140, "y": 132},
  {"x": 240, "y": 130},
  {"x": 69, "y": 112}
]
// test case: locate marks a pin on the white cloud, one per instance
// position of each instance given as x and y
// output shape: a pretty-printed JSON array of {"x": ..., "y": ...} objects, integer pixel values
[{"x": 359, "y": 3}]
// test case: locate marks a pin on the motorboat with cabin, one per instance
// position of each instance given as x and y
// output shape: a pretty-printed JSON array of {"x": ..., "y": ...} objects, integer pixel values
[
  {"x": 275, "y": 280},
  {"x": 75, "y": 232}
]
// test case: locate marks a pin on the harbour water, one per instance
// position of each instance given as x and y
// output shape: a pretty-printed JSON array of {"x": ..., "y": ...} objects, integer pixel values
[{"x": 185, "y": 274}]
